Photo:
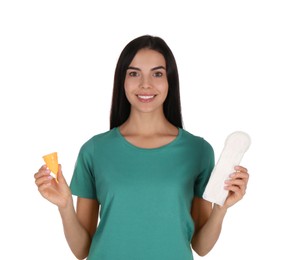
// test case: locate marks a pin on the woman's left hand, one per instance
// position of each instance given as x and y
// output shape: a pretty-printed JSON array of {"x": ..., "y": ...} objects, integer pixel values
[{"x": 236, "y": 186}]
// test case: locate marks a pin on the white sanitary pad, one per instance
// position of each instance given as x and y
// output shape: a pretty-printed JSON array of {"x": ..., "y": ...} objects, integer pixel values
[{"x": 236, "y": 145}]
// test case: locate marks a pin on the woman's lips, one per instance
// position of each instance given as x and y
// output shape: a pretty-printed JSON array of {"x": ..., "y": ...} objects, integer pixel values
[{"x": 146, "y": 98}]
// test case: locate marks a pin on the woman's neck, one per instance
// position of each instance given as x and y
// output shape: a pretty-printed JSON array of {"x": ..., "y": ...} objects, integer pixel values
[{"x": 147, "y": 124}]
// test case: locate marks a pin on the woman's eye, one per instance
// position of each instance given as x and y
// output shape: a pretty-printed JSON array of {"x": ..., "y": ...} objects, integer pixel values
[
  {"x": 158, "y": 74},
  {"x": 133, "y": 74}
]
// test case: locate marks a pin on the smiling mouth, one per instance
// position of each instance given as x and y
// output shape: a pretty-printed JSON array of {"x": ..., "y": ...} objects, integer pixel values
[{"x": 146, "y": 98}]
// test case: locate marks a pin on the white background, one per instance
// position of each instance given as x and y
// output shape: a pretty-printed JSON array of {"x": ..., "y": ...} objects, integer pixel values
[{"x": 238, "y": 64}]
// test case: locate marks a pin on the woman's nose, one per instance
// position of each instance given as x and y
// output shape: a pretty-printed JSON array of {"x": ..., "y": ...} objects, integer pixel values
[{"x": 145, "y": 82}]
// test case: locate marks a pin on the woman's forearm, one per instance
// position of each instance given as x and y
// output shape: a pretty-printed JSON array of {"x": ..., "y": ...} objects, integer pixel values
[
  {"x": 76, "y": 235},
  {"x": 205, "y": 238}
]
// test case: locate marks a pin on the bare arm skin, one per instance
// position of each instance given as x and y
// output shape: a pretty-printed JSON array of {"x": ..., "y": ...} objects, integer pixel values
[
  {"x": 208, "y": 220},
  {"x": 79, "y": 227},
  {"x": 208, "y": 223}
]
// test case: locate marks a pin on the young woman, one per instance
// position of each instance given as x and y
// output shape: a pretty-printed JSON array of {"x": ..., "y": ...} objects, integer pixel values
[{"x": 146, "y": 174}]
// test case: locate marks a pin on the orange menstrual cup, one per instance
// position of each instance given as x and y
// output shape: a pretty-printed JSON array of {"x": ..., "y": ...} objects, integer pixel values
[{"x": 51, "y": 161}]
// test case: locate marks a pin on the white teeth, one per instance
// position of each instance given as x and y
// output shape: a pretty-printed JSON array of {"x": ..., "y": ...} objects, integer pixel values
[{"x": 145, "y": 97}]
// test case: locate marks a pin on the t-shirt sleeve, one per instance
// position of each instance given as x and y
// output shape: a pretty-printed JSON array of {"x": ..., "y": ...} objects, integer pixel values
[
  {"x": 83, "y": 183},
  {"x": 206, "y": 167}
]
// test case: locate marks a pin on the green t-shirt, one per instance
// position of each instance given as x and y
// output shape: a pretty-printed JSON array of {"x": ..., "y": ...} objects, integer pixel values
[{"x": 145, "y": 194}]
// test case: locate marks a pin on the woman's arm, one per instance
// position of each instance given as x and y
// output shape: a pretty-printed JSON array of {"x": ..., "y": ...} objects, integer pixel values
[
  {"x": 208, "y": 221},
  {"x": 78, "y": 227}
]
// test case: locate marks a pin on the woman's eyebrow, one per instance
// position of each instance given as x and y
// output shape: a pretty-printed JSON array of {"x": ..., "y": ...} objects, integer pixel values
[
  {"x": 155, "y": 68},
  {"x": 133, "y": 68},
  {"x": 158, "y": 68}
]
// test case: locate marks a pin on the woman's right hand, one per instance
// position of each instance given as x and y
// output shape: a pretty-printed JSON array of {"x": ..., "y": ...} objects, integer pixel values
[{"x": 57, "y": 193}]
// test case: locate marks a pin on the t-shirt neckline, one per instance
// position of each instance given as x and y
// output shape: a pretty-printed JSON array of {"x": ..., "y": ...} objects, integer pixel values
[{"x": 149, "y": 149}]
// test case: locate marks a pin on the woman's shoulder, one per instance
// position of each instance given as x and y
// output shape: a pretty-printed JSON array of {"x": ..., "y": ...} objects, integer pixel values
[
  {"x": 193, "y": 137},
  {"x": 99, "y": 138},
  {"x": 103, "y": 135},
  {"x": 196, "y": 140}
]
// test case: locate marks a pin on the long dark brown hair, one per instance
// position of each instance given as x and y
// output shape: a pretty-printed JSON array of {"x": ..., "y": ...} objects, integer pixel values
[{"x": 120, "y": 108}]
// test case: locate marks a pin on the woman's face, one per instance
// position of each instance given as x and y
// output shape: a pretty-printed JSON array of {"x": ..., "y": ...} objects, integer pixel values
[{"x": 146, "y": 83}]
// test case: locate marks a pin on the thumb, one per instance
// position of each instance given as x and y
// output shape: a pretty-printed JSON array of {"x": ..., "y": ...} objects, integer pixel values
[{"x": 60, "y": 176}]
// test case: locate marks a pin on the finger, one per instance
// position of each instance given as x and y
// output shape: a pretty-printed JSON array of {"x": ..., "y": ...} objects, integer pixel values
[
  {"x": 241, "y": 189},
  {"x": 236, "y": 191},
  {"x": 60, "y": 176},
  {"x": 239, "y": 175},
  {"x": 236, "y": 186},
  {"x": 43, "y": 180},
  {"x": 236, "y": 182},
  {"x": 42, "y": 171},
  {"x": 242, "y": 185},
  {"x": 240, "y": 168}
]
